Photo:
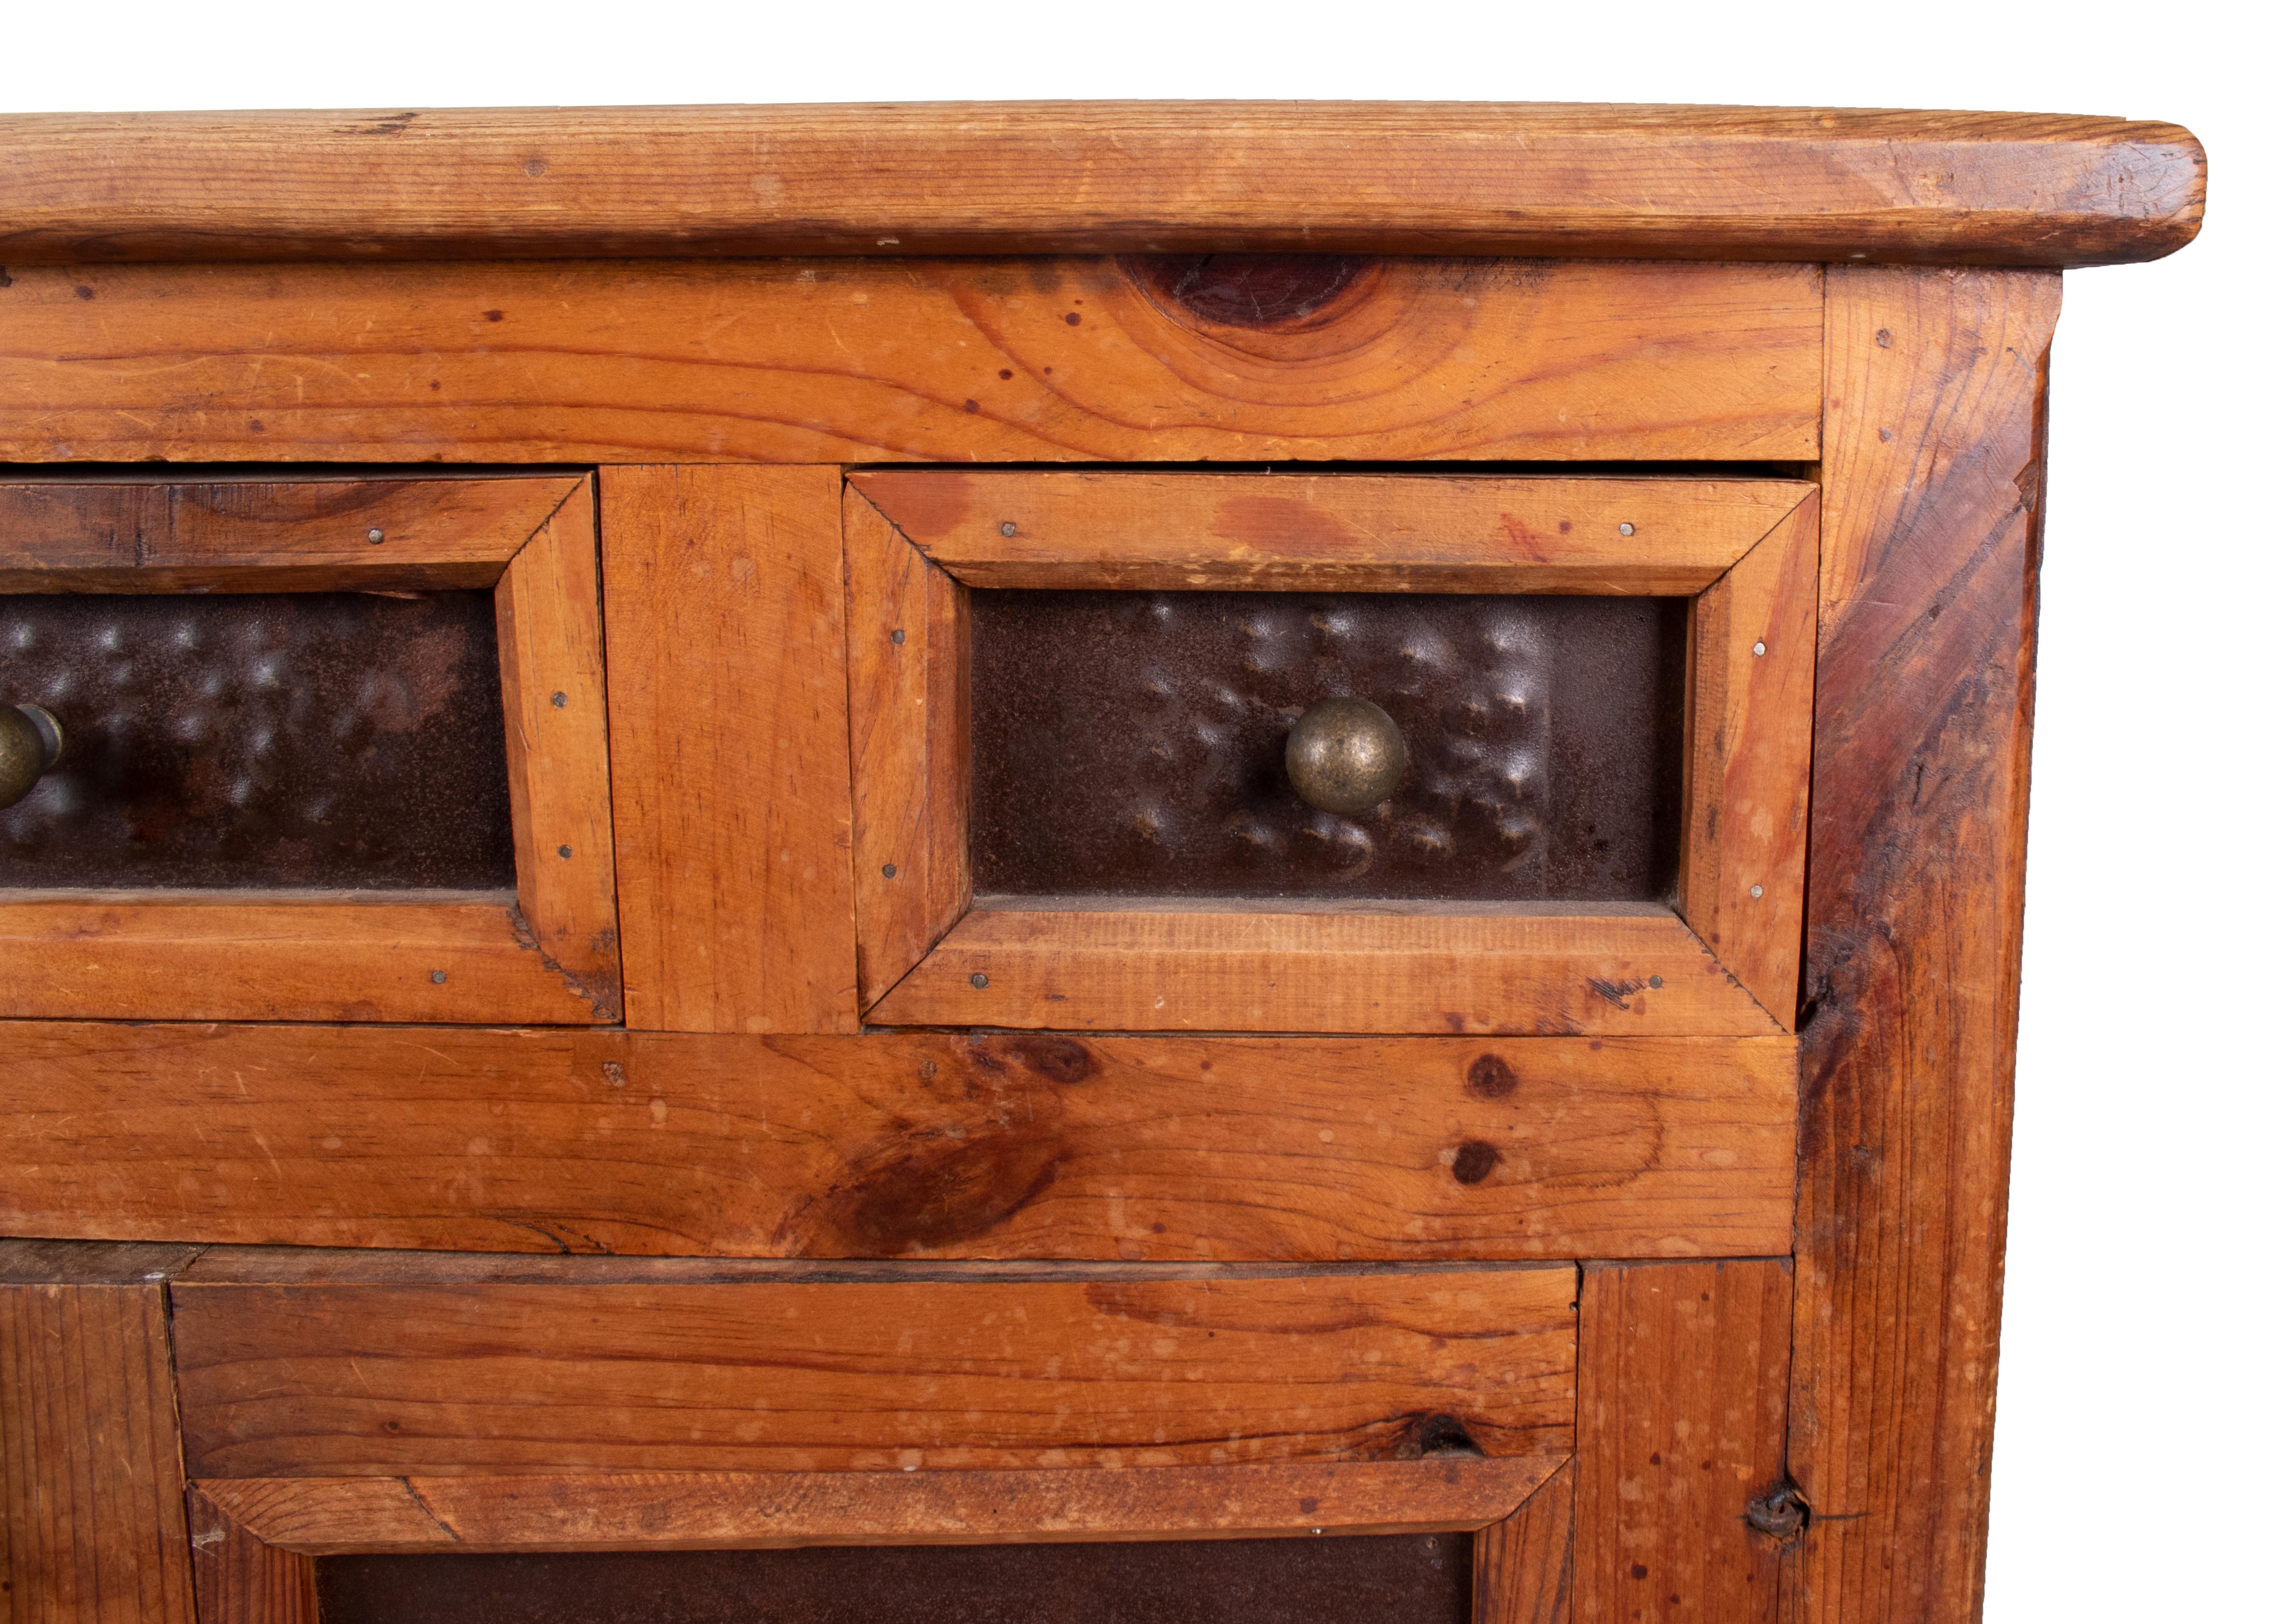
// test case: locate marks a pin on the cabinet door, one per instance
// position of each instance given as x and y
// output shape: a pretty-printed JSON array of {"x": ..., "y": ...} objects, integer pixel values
[
  {"x": 1084, "y": 709},
  {"x": 329, "y": 749}
]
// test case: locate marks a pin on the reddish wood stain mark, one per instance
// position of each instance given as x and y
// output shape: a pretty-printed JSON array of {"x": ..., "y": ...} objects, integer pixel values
[
  {"x": 1285, "y": 523},
  {"x": 931, "y": 505},
  {"x": 1523, "y": 537}
]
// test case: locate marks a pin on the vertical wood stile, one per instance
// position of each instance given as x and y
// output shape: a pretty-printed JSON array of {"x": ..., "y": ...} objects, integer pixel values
[
  {"x": 1932, "y": 454},
  {"x": 731, "y": 747},
  {"x": 1524, "y": 1567},
  {"x": 91, "y": 1526},
  {"x": 241, "y": 1580},
  {"x": 1684, "y": 1383},
  {"x": 549, "y": 611},
  {"x": 909, "y": 746}
]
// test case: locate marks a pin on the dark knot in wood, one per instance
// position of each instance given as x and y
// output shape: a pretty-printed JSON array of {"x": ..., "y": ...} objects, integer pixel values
[{"x": 1248, "y": 290}]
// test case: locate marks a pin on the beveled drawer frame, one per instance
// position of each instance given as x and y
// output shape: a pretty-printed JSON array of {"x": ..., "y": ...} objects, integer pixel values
[
  {"x": 548, "y": 954},
  {"x": 1723, "y": 963}
]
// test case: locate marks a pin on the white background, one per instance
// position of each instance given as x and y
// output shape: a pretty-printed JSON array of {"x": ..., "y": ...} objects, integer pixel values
[{"x": 2141, "y": 1430}]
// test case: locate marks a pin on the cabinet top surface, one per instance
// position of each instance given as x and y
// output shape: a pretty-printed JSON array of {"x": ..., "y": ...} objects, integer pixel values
[{"x": 1081, "y": 177}]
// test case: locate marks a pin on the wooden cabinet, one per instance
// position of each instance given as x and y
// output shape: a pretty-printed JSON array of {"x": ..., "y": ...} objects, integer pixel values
[{"x": 675, "y": 953}]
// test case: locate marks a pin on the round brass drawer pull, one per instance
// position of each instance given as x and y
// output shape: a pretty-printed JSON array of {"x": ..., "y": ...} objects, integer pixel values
[
  {"x": 1346, "y": 755},
  {"x": 29, "y": 743}
]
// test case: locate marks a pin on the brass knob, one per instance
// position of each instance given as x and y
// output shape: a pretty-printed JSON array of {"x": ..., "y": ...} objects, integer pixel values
[
  {"x": 29, "y": 743},
  {"x": 1346, "y": 755}
]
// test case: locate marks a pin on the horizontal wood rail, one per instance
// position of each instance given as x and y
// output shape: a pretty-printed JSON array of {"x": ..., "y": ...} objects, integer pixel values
[
  {"x": 1031, "y": 178},
  {"x": 755, "y": 1510},
  {"x": 1012, "y": 1146}
]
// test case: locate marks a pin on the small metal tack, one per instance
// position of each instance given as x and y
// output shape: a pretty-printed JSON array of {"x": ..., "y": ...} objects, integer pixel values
[
  {"x": 439, "y": 976},
  {"x": 1653, "y": 980},
  {"x": 1757, "y": 891},
  {"x": 565, "y": 851},
  {"x": 889, "y": 871},
  {"x": 1630, "y": 529},
  {"x": 558, "y": 701},
  {"x": 979, "y": 980},
  {"x": 373, "y": 538},
  {"x": 898, "y": 636},
  {"x": 1009, "y": 529},
  {"x": 1758, "y": 649}
]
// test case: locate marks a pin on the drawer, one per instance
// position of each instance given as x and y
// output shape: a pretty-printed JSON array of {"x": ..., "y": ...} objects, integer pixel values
[
  {"x": 1081, "y": 708},
  {"x": 331, "y": 749}
]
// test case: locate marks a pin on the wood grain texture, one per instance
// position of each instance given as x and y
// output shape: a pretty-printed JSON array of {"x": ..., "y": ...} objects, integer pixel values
[
  {"x": 1107, "y": 964},
  {"x": 1684, "y": 1398},
  {"x": 240, "y": 1578},
  {"x": 91, "y": 1526},
  {"x": 549, "y": 617},
  {"x": 1121, "y": 1366},
  {"x": 731, "y": 747},
  {"x": 1930, "y": 538},
  {"x": 1741, "y": 882},
  {"x": 547, "y": 955},
  {"x": 1523, "y": 1565},
  {"x": 236, "y": 956},
  {"x": 910, "y": 747},
  {"x": 759, "y": 1510},
  {"x": 925, "y": 1144},
  {"x": 284, "y": 535},
  {"x": 1341, "y": 532},
  {"x": 954, "y": 360},
  {"x": 1032, "y": 177}
]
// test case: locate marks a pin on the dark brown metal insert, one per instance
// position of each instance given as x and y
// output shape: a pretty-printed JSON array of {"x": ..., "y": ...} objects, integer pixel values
[
  {"x": 332, "y": 740},
  {"x": 1131, "y": 743},
  {"x": 1424, "y": 1579}
]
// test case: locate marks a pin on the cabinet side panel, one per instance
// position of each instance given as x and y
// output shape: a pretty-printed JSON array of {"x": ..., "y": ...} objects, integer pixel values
[
  {"x": 1933, "y": 454},
  {"x": 731, "y": 751}
]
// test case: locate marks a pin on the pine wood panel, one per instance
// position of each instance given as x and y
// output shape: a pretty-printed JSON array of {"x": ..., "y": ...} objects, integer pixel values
[
  {"x": 236, "y": 955},
  {"x": 240, "y": 1578},
  {"x": 757, "y": 1510},
  {"x": 910, "y": 747},
  {"x": 547, "y": 954},
  {"x": 1117, "y": 1366},
  {"x": 551, "y": 631},
  {"x": 1685, "y": 1396},
  {"x": 91, "y": 1478},
  {"x": 731, "y": 747},
  {"x": 1110, "y": 964},
  {"x": 927, "y": 1144},
  {"x": 287, "y": 535},
  {"x": 1338, "y": 532},
  {"x": 1523, "y": 1565},
  {"x": 1741, "y": 882},
  {"x": 843, "y": 361},
  {"x": 1085, "y": 963},
  {"x": 1032, "y": 177},
  {"x": 1930, "y": 526}
]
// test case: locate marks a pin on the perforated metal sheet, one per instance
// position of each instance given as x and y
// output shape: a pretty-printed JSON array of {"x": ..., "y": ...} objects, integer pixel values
[
  {"x": 1421, "y": 1579},
  {"x": 320, "y": 739},
  {"x": 1131, "y": 743}
]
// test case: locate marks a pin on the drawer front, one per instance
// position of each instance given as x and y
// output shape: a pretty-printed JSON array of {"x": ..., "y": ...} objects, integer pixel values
[
  {"x": 1079, "y": 702},
  {"x": 329, "y": 749},
  {"x": 512, "y": 1369}
]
